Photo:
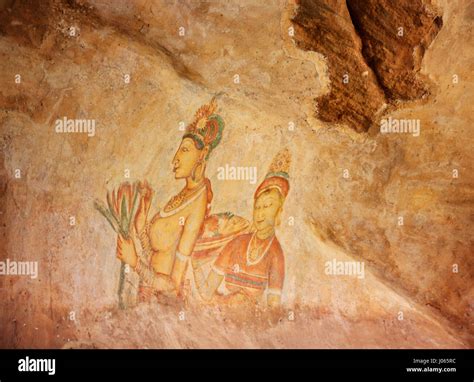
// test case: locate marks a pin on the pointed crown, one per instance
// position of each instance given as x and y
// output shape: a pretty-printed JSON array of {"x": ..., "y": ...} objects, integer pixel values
[
  {"x": 207, "y": 127},
  {"x": 278, "y": 175}
]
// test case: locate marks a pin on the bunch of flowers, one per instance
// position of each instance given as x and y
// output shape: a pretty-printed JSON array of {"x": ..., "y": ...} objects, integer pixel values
[
  {"x": 120, "y": 213},
  {"x": 121, "y": 208}
]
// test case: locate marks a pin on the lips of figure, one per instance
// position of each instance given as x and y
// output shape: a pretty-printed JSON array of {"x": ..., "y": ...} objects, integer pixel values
[{"x": 176, "y": 171}]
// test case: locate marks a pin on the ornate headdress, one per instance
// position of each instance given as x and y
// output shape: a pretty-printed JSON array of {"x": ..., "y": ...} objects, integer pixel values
[
  {"x": 207, "y": 127},
  {"x": 277, "y": 176}
]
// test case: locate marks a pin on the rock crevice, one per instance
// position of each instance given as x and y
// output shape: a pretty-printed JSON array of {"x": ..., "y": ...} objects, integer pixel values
[{"x": 374, "y": 51}]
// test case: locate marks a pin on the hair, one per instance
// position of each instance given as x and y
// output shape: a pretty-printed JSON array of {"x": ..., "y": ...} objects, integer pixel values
[{"x": 197, "y": 143}]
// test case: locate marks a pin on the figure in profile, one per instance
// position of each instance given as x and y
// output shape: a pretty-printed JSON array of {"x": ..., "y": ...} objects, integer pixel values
[{"x": 169, "y": 237}]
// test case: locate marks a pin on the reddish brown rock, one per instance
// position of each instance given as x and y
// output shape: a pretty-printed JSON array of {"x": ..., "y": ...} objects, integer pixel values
[
  {"x": 369, "y": 64},
  {"x": 395, "y": 36}
]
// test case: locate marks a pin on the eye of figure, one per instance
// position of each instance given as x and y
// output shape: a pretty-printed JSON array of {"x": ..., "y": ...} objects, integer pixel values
[{"x": 185, "y": 149}]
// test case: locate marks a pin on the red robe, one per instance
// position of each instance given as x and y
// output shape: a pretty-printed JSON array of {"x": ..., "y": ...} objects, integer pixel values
[{"x": 252, "y": 279}]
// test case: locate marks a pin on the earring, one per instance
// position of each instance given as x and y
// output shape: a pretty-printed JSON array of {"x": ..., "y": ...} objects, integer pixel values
[
  {"x": 193, "y": 171},
  {"x": 278, "y": 218}
]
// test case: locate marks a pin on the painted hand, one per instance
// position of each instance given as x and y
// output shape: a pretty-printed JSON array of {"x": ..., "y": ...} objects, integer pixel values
[{"x": 126, "y": 251}]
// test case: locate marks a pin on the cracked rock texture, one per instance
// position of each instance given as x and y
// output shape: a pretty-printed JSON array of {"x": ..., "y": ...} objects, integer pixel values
[
  {"x": 350, "y": 183},
  {"x": 374, "y": 51}
]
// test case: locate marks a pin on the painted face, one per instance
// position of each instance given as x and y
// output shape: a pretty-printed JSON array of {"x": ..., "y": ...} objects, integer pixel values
[
  {"x": 185, "y": 158},
  {"x": 266, "y": 209}
]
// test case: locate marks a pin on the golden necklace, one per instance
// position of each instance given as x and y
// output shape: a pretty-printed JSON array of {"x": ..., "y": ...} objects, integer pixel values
[
  {"x": 253, "y": 255},
  {"x": 184, "y": 195}
]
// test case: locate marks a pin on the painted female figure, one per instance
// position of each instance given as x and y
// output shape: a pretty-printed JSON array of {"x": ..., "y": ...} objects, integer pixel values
[
  {"x": 169, "y": 237},
  {"x": 252, "y": 265}
]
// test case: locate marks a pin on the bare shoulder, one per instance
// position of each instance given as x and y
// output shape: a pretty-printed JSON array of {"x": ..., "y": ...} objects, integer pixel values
[{"x": 199, "y": 203}]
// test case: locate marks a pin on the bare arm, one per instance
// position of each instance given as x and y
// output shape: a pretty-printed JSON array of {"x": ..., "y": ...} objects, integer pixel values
[
  {"x": 212, "y": 283},
  {"x": 217, "y": 273},
  {"x": 155, "y": 280},
  {"x": 144, "y": 237},
  {"x": 192, "y": 227},
  {"x": 145, "y": 270}
]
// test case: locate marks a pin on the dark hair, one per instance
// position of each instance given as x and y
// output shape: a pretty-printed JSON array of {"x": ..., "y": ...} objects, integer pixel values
[{"x": 197, "y": 142}]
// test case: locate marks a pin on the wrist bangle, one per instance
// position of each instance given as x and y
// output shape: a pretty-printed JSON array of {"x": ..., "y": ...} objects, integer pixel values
[{"x": 138, "y": 267}]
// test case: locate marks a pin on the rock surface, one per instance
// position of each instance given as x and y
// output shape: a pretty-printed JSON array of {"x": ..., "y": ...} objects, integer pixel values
[
  {"x": 374, "y": 51},
  {"x": 350, "y": 184}
]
